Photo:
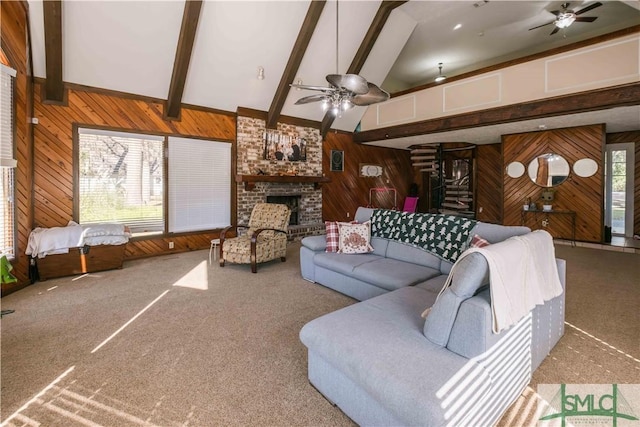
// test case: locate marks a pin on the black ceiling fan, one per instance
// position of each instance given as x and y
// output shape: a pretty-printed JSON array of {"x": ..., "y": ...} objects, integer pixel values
[{"x": 566, "y": 17}]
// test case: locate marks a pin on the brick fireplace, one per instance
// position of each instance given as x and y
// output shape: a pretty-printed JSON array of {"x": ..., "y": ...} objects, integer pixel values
[{"x": 250, "y": 161}]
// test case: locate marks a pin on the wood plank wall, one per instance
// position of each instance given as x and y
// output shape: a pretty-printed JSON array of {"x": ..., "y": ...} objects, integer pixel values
[
  {"x": 347, "y": 190},
  {"x": 53, "y": 153},
  {"x": 488, "y": 174},
  {"x": 633, "y": 136},
  {"x": 583, "y": 195},
  {"x": 16, "y": 47}
]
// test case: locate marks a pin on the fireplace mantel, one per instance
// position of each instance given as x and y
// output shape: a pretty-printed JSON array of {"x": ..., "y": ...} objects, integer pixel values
[{"x": 250, "y": 180}]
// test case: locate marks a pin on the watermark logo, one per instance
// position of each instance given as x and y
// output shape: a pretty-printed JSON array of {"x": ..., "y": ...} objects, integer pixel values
[{"x": 615, "y": 405}]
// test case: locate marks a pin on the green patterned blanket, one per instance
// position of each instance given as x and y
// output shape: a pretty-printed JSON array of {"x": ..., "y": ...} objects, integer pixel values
[{"x": 445, "y": 236}]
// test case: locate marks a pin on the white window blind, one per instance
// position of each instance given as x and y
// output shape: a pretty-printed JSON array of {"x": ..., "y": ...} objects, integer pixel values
[
  {"x": 7, "y": 163},
  {"x": 121, "y": 179},
  {"x": 199, "y": 184},
  {"x": 6, "y": 116}
]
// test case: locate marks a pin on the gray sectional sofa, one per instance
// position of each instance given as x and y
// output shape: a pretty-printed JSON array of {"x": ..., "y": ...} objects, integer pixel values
[{"x": 381, "y": 363}]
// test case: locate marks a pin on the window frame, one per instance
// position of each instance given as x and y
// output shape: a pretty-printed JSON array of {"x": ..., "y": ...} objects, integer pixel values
[
  {"x": 165, "y": 233},
  {"x": 14, "y": 135}
]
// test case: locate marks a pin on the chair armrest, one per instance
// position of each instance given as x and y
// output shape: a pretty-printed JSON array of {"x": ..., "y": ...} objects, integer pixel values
[
  {"x": 223, "y": 233},
  {"x": 254, "y": 236}
]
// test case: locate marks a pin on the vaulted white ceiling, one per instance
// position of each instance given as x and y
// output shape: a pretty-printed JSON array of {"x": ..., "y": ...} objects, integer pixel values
[{"x": 130, "y": 46}]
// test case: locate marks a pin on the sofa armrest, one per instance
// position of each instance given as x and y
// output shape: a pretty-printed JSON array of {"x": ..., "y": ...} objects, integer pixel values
[{"x": 315, "y": 243}]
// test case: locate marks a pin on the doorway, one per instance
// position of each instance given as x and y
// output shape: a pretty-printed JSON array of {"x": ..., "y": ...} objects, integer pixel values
[{"x": 619, "y": 171}]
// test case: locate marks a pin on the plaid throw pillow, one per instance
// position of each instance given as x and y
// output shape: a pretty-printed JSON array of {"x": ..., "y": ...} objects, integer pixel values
[
  {"x": 331, "y": 229},
  {"x": 478, "y": 242}
]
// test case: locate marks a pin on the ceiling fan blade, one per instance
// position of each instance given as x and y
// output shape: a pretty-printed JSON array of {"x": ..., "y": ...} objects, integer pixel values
[
  {"x": 555, "y": 30},
  {"x": 351, "y": 82},
  {"x": 586, "y": 18},
  {"x": 373, "y": 96},
  {"x": 543, "y": 25},
  {"x": 588, "y": 8},
  {"x": 308, "y": 87},
  {"x": 311, "y": 98}
]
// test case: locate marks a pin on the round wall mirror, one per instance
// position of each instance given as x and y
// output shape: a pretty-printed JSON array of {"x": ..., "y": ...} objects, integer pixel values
[
  {"x": 515, "y": 169},
  {"x": 585, "y": 168},
  {"x": 548, "y": 170}
]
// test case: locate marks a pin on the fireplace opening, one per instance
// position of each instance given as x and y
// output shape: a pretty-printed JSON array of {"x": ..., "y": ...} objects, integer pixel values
[{"x": 292, "y": 201}]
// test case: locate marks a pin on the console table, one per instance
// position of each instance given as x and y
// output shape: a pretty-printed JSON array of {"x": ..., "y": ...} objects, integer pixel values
[{"x": 542, "y": 215}]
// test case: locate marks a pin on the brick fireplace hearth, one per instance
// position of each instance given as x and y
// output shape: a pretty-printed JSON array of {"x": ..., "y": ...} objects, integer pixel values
[{"x": 250, "y": 161}]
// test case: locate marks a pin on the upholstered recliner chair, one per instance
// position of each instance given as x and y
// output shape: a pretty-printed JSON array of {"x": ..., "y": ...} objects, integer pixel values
[{"x": 265, "y": 239}]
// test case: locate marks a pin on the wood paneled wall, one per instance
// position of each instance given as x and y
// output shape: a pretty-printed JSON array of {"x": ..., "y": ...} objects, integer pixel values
[
  {"x": 488, "y": 174},
  {"x": 15, "y": 45},
  {"x": 585, "y": 196},
  {"x": 53, "y": 156},
  {"x": 633, "y": 136},
  {"x": 347, "y": 190}
]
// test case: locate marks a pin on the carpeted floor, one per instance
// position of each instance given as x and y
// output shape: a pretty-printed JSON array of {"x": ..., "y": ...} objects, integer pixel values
[{"x": 173, "y": 341}]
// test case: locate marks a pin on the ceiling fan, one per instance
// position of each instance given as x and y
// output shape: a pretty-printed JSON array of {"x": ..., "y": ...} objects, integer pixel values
[
  {"x": 566, "y": 17},
  {"x": 344, "y": 90}
]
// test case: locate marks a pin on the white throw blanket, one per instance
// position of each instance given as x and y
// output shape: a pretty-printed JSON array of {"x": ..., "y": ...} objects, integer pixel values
[
  {"x": 523, "y": 273},
  {"x": 58, "y": 240}
]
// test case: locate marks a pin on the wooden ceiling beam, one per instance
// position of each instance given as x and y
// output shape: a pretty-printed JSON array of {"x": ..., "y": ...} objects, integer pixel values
[
  {"x": 297, "y": 53},
  {"x": 54, "y": 86},
  {"x": 364, "y": 50},
  {"x": 190, "y": 18},
  {"x": 598, "y": 99}
]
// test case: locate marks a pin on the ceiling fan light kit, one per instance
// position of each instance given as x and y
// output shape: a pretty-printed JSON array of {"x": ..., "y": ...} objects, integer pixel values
[
  {"x": 566, "y": 17},
  {"x": 344, "y": 90}
]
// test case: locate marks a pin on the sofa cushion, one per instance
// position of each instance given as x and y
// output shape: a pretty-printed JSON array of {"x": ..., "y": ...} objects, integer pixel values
[
  {"x": 434, "y": 284},
  {"x": 343, "y": 263},
  {"x": 495, "y": 233},
  {"x": 363, "y": 214},
  {"x": 388, "y": 273},
  {"x": 471, "y": 334},
  {"x": 378, "y": 344},
  {"x": 412, "y": 254},
  {"x": 379, "y": 246},
  {"x": 471, "y": 273},
  {"x": 315, "y": 243}
]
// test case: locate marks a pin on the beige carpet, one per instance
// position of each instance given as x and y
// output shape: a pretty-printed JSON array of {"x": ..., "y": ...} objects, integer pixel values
[{"x": 173, "y": 341}]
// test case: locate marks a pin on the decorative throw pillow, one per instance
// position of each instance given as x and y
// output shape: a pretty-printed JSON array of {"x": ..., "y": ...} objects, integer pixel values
[
  {"x": 331, "y": 232},
  {"x": 354, "y": 238},
  {"x": 478, "y": 242}
]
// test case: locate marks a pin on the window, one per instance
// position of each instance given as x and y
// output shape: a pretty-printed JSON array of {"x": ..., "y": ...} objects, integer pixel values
[
  {"x": 122, "y": 179},
  {"x": 7, "y": 163},
  {"x": 199, "y": 184},
  {"x": 619, "y": 170}
]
